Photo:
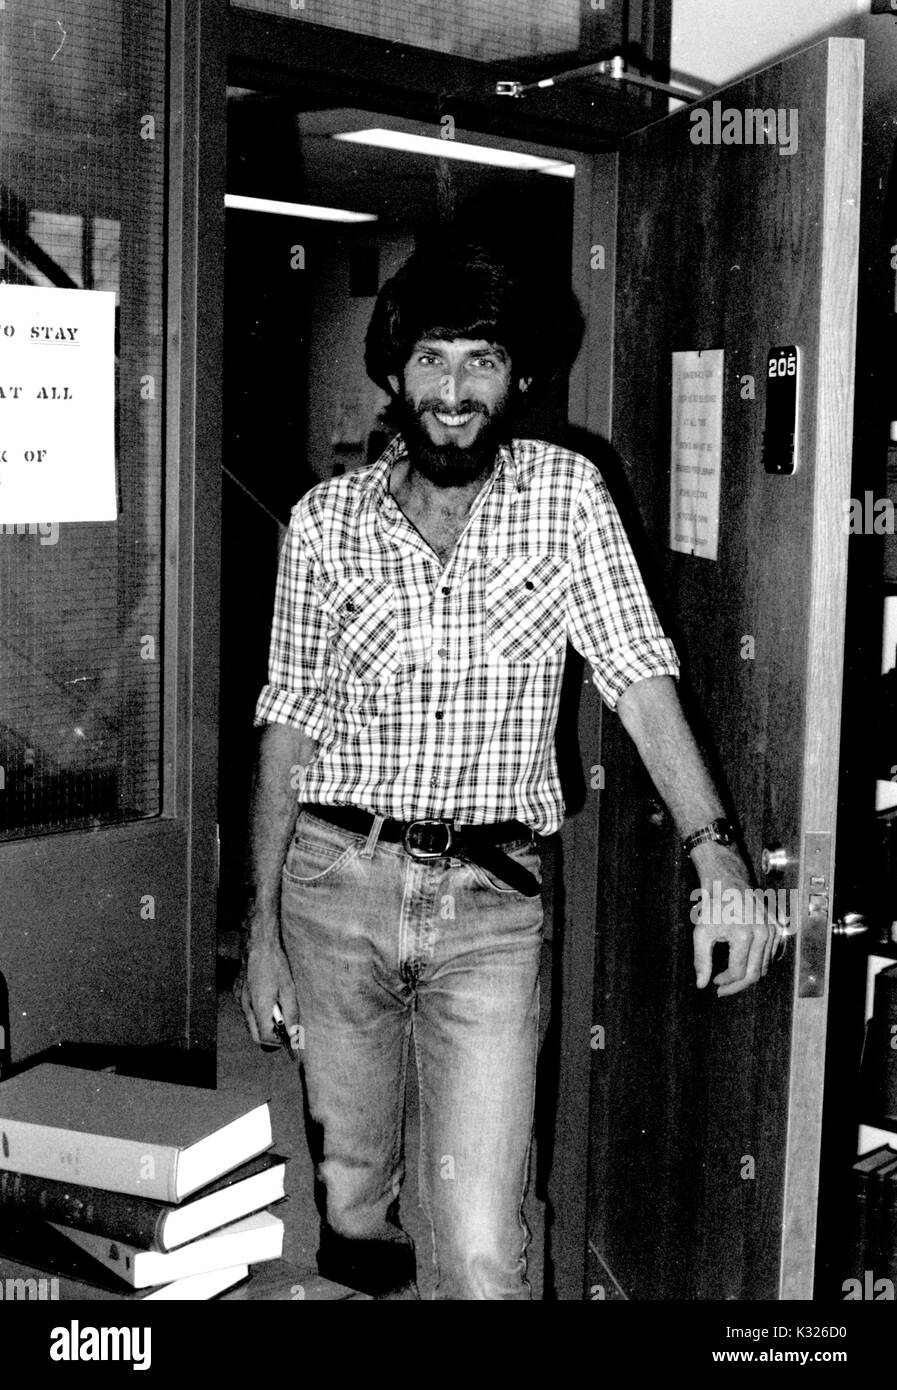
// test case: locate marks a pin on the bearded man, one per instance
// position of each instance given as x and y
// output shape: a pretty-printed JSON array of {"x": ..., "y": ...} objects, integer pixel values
[{"x": 406, "y": 771}]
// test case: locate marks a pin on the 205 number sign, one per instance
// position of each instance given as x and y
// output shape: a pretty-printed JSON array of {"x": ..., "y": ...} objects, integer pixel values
[{"x": 780, "y": 430}]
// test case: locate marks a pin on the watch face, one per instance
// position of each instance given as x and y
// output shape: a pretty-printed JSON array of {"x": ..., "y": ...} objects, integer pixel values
[{"x": 722, "y": 832}]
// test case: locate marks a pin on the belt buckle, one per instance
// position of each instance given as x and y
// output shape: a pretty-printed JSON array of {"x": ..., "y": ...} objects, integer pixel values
[{"x": 416, "y": 853}]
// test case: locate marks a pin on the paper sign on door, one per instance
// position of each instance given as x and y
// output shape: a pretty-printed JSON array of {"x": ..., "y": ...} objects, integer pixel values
[
  {"x": 696, "y": 452},
  {"x": 57, "y": 405}
]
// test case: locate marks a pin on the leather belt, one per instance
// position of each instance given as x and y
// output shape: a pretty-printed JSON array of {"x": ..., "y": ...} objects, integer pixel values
[{"x": 438, "y": 839}]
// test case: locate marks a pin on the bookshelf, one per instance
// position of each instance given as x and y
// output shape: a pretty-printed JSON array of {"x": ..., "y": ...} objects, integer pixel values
[
  {"x": 869, "y": 1136},
  {"x": 883, "y": 953}
]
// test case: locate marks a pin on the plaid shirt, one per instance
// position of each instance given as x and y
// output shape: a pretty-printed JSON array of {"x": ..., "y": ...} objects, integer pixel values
[{"x": 434, "y": 693}]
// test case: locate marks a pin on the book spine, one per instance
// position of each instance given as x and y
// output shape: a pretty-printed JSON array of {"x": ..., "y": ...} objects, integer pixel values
[
  {"x": 4, "y": 1029},
  {"x": 36, "y": 1284},
  {"x": 117, "y": 1215},
  {"x": 89, "y": 1160},
  {"x": 885, "y": 1251},
  {"x": 857, "y": 1252}
]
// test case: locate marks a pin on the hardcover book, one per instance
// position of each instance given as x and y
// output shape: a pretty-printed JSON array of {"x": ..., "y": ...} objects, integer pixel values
[
  {"x": 148, "y": 1138},
  {"x": 141, "y": 1221},
  {"x": 863, "y": 1213},
  {"x": 38, "y": 1264},
  {"x": 246, "y": 1242}
]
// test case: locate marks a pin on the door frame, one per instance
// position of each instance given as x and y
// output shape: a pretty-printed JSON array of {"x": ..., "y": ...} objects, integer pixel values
[
  {"x": 404, "y": 80},
  {"x": 193, "y": 432},
  {"x": 281, "y": 56},
  {"x": 834, "y": 437}
]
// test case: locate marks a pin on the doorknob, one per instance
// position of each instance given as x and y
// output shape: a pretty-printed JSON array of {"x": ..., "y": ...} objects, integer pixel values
[
  {"x": 850, "y": 924},
  {"x": 775, "y": 860}
]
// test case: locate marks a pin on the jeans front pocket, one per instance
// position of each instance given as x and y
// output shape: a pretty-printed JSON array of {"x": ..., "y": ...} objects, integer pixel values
[
  {"x": 524, "y": 854},
  {"x": 315, "y": 854}
]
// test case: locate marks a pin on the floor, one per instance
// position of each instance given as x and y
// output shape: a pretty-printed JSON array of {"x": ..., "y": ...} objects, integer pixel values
[{"x": 243, "y": 1066}]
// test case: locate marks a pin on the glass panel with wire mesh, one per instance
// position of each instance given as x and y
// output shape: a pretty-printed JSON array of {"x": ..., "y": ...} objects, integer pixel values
[
  {"x": 490, "y": 30},
  {"x": 82, "y": 206}
]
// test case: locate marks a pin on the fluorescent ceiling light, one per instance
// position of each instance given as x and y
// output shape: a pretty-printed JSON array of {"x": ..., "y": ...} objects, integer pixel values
[
  {"x": 456, "y": 149},
  {"x": 308, "y": 210}
]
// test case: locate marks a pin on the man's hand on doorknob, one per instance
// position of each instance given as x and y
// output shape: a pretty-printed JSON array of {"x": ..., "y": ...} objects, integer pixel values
[{"x": 729, "y": 911}]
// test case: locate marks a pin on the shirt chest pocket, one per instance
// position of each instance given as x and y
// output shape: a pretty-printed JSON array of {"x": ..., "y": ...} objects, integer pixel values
[
  {"x": 524, "y": 602},
  {"x": 362, "y": 628}
]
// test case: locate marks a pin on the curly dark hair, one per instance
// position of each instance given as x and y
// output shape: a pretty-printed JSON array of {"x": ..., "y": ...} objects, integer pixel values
[{"x": 455, "y": 289}]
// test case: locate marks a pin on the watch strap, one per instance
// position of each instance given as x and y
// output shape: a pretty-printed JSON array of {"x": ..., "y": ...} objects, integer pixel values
[{"x": 719, "y": 832}]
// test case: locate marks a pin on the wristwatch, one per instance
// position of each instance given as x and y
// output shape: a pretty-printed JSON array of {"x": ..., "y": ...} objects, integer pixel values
[{"x": 718, "y": 832}]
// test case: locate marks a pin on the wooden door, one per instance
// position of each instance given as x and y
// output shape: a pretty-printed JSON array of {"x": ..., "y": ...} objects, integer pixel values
[{"x": 705, "y": 1113}]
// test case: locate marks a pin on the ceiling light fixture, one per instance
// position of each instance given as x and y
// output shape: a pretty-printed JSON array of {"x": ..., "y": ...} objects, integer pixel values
[
  {"x": 438, "y": 148},
  {"x": 307, "y": 210}
]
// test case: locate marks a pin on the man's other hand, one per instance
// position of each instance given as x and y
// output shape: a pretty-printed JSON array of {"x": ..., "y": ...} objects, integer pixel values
[{"x": 265, "y": 980}]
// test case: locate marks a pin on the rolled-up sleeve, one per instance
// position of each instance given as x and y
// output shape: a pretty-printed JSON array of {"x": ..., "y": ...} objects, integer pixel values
[
  {"x": 610, "y": 618},
  {"x": 297, "y": 660}
]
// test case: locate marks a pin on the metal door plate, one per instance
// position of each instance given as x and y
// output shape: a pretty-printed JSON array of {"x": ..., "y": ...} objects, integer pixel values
[{"x": 816, "y": 897}]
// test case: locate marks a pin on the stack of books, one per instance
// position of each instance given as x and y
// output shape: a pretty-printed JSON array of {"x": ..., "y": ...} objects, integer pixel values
[
  {"x": 872, "y": 1261},
  {"x": 878, "y": 1068},
  {"x": 116, "y": 1187}
]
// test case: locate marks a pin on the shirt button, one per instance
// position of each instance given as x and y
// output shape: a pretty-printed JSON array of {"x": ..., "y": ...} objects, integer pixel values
[
  {"x": 443, "y": 651},
  {"x": 439, "y": 714},
  {"x": 446, "y": 591}
]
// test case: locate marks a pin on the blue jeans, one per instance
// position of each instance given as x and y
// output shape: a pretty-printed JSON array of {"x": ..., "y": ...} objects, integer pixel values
[{"x": 385, "y": 949}]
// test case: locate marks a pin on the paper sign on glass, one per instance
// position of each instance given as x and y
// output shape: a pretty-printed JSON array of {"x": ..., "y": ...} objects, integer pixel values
[
  {"x": 696, "y": 452},
  {"x": 57, "y": 405}
]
